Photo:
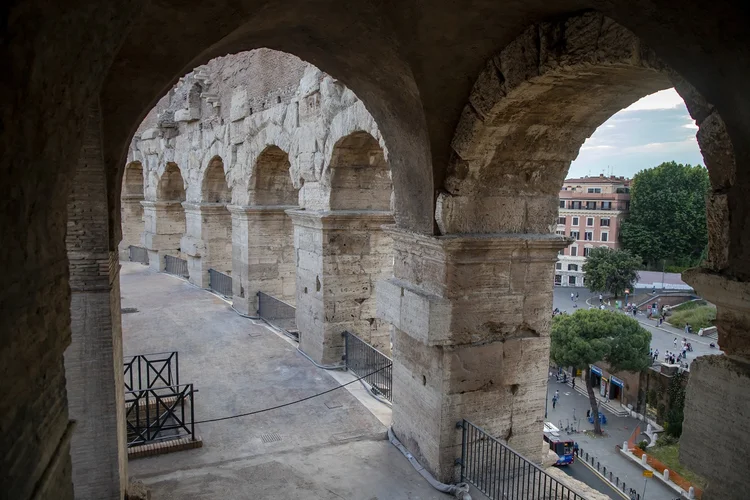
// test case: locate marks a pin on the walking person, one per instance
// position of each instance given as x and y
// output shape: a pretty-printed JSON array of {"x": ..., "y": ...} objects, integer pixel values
[
  {"x": 554, "y": 401},
  {"x": 675, "y": 342},
  {"x": 572, "y": 297},
  {"x": 601, "y": 299}
]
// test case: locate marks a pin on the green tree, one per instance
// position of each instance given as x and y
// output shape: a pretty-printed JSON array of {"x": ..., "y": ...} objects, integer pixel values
[
  {"x": 667, "y": 219},
  {"x": 610, "y": 270},
  {"x": 592, "y": 335}
]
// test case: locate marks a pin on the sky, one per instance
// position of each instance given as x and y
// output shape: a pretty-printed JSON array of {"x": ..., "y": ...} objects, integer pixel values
[{"x": 655, "y": 129}]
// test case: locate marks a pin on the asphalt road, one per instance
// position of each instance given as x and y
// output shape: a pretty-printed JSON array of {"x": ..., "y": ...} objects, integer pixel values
[{"x": 580, "y": 471}]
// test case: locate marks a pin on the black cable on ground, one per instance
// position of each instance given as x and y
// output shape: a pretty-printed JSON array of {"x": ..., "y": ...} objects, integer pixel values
[{"x": 289, "y": 403}]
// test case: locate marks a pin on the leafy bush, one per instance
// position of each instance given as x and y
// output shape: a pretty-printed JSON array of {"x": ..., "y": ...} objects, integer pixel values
[
  {"x": 698, "y": 317},
  {"x": 665, "y": 439},
  {"x": 643, "y": 444}
]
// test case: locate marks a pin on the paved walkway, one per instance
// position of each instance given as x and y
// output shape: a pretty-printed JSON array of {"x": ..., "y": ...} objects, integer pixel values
[
  {"x": 327, "y": 447},
  {"x": 572, "y": 404}
]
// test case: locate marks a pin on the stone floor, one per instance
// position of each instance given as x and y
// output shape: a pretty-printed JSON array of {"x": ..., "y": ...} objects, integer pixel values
[{"x": 328, "y": 447}]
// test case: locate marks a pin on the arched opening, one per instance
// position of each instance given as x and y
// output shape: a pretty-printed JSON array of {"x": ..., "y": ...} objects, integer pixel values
[
  {"x": 530, "y": 111},
  {"x": 271, "y": 181},
  {"x": 131, "y": 211},
  {"x": 171, "y": 186},
  {"x": 215, "y": 188},
  {"x": 360, "y": 176}
]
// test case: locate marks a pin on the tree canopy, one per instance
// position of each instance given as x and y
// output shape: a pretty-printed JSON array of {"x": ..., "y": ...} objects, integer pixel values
[
  {"x": 591, "y": 335},
  {"x": 610, "y": 270},
  {"x": 667, "y": 217}
]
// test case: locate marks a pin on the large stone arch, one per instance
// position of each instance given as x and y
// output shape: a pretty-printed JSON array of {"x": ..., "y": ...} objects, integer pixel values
[
  {"x": 171, "y": 185},
  {"x": 214, "y": 188},
  {"x": 271, "y": 182},
  {"x": 358, "y": 174},
  {"x": 131, "y": 209}
]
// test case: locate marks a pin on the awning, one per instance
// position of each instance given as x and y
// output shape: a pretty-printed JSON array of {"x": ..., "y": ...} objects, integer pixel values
[
  {"x": 596, "y": 369},
  {"x": 616, "y": 381}
]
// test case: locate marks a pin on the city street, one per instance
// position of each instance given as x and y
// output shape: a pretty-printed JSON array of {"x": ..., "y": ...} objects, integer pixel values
[{"x": 662, "y": 338}]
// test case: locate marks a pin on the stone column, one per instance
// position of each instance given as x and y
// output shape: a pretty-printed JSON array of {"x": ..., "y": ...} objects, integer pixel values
[
  {"x": 471, "y": 317},
  {"x": 717, "y": 410},
  {"x": 341, "y": 255},
  {"x": 164, "y": 226},
  {"x": 262, "y": 255},
  {"x": 131, "y": 213},
  {"x": 207, "y": 242},
  {"x": 93, "y": 361}
]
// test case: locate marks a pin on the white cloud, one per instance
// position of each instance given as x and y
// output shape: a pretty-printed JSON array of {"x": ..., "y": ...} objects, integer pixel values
[
  {"x": 664, "y": 99},
  {"x": 663, "y": 147},
  {"x": 691, "y": 126},
  {"x": 603, "y": 146}
]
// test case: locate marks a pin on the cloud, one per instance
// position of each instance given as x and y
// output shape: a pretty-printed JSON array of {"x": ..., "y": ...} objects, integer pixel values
[
  {"x": 663, "y": 147},
  {"x": 603, "y": 146},
  {"x": 664, "y": 99},
  {"x": 691, "y": 126}
]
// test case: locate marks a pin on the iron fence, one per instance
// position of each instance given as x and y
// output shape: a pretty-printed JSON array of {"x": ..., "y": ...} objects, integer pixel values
[
  {"x": 220, "y": 282},
  {"x": 278, "y": 313},
  {"x": 159, "y": 414},
  {"x": 175, "y": 265},
  {"x": 138, "y": 254},
  {"x": 501, "y": 473},
  {"x": 146, "y": 371},
  {"x": 366, "y": 361}
]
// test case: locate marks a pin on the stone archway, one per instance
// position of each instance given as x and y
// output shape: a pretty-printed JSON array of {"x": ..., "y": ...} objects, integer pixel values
[
  {"x": 214, "y": 185},
  {"x": 271, "y": 182},
  {"x": 164, "y": 218},
  {"x": 530, "y": 110},
  {"x": 131, "y": 209},
  {"x": 360, "y": 178}
]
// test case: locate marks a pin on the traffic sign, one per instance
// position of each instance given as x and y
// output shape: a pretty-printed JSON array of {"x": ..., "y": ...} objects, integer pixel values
[{"x": 648, "y": 473}]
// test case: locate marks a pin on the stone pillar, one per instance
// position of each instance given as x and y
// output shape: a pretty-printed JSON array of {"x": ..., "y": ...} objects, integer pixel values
[
  {"x": 341, "y": 255},
  {"x": 471, "y": 317},
  {"x": 164, "y": 226},
  {"x": 131, "y": 213},
  {"x": 93, "y": 361},
  {"x": 262, "y": 255},
  {"x": 207, "y": 242},
  {"x": 717, "y": 409}
]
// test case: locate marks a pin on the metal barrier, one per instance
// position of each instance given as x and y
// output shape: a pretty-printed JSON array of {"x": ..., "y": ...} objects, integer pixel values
[
  {"x": 159, "y": 414},
  {"x": 278, "y": 313},
  {"x": 220, "y": 282},
  {"x": 138, "y": 254},
  {"x": 501, "y": 473},
  {"x": 365, "y": 361},
  {"x": 175, "y": 265},
  {"x": 146, "y": 371}
]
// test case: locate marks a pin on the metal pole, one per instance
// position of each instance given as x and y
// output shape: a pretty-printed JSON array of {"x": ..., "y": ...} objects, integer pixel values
[
  {"x": 645, "y": 482},
  {"x": 663, "y": 265}
]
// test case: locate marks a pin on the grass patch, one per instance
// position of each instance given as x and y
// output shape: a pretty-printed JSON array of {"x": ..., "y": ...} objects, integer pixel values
[
  {"x": 668, "y": 455},
  {"x": 687, "y": 306},
  {"x": 701, "y": 316}
]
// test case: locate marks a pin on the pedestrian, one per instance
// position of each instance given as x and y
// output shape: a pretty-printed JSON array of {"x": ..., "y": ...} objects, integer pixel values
[
  {"x": 574, "y": 382},
  {"x": 656, "y": 354},
  {"x": 576, "y": 296},
  {"x": 651, "y": 352},
  {"x": 557, "y": 394},
  {"x": 686, "y": 328},
  {"x": 635, "y": 311},
  {"x": 572, "y": 297},
  {"x": 554, "y": 401},
  {"x": 601, "y": 307},
  {"x": 675, "y": 341},
  {"x": 601, "y": 300}
]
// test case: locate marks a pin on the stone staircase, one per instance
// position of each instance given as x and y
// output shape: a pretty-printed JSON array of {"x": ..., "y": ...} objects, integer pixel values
[{"x": 614, "y": 408}]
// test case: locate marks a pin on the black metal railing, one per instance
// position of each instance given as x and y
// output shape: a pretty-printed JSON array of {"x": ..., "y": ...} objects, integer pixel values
[
  {"x": 159, "y": 414},
  {"x": 138, "y": 254},
  {"x": 501, "y": 473},
  {"x": 278, "y": 313},
  {"x": 175, "y": 265},
  {"x": 146, "y": 371},
  {"x": 220, "y": 282},
  {"x": 365, "y": 361}
]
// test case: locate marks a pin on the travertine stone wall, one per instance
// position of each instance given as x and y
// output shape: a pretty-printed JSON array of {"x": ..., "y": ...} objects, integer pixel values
[
  {"x": 341, "y": 257},
  {"x": 131, "y": 210},
  {"x": 471, "y": 339},
  {"x": 164, "y": 225},
  {"x": 93, "y": 361},
  {"x": 263, "y": 257},
  {"x": 208, "y": 240}
]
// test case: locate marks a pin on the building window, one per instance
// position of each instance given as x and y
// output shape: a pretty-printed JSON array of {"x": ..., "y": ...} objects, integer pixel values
[
  {"x": 586, "y": 251},
  {"x": 604, "y": 221},
  {"x": 562, "y": 203},
  {"x": 574, "y": 251},
  {"x": 561, "y": 252},
  {"x": 594, "y": 190},
  {"x": 575, "y": 235},
  {"x": 561, "y": 232},
  {"x": 591, "y": 205},
  {"x": 606, "y": 205},
  {"x": 575, "y": 221},
  {"x": 588, "y": 236},
  {"x": 589, "y": 221},
  {"x": 558, "y": 279},
  {"x": 561, "y": 220},
  {"x": 572, "y": 267},
  {"x": 558, "y": 266},
  {"x": 571, "y": 280},
  {"x": 575, "y": 205},
  {"x": 605, "y": 236}
]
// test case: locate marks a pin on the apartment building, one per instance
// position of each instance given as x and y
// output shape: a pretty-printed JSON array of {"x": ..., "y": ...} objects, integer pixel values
[{"x": 591, "y": 210}]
